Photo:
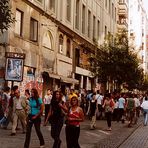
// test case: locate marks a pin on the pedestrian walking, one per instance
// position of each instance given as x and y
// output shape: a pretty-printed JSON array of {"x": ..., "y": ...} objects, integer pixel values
[
  {"x": 109, "y": 107},
  {"x": 93, "y": 111},
  {"x": 10, "y": 107},
  {"x": 74, "y": 117},
  {"x": 137, "y": 106},
  {"x": 130, "y": 108},
  {"x": 19, "y": 107},
  {"x": 47, "y": 101},
  {"x": 34, "y": 118},
  {"x": 56, "y": 114},
  {"x": 1, "y": 108},
  {"x": 5, "y": 107},
  {"x": 144, "y": 106},
  {"x": 121, "y": 107},
  {"x": 99, "y": 98}
]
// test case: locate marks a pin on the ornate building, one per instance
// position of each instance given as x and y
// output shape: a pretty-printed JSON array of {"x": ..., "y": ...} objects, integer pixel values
[{"x": 57, "y": 37}]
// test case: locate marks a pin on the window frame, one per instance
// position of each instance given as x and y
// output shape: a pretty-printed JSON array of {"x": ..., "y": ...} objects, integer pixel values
[
  {"x": 21, "y": 23},
  {"x": 33, "y": 29}
]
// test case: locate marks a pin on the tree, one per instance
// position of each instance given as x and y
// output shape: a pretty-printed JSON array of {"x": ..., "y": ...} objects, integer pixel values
[
  {"x": 5, "y": 15},
  {"x": 113, "y": 61}
]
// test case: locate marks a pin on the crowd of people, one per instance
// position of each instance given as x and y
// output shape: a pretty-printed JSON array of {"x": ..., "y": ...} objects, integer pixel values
[{"x": 68, "y": 107}]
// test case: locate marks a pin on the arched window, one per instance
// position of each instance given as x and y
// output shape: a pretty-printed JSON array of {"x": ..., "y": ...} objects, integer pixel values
[
  {"x": 47, "y": 40},
  {"x": 61, "y": 43},
  {"x": 68, "y": 48}
]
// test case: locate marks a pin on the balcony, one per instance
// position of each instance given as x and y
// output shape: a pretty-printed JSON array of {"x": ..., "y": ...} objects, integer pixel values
[
  {"x": 122, "y": 25},
  {"x": 123, "y": 9}
]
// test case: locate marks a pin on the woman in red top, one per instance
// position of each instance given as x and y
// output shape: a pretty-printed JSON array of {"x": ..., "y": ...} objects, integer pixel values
[{"x": 74, "y": 117}]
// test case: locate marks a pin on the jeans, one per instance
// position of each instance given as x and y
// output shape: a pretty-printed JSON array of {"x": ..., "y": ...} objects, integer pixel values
[
  {"x": 145, "y": 116},
  {"x": 56, "y": 128},
  {"x": 37, "y": 123}
]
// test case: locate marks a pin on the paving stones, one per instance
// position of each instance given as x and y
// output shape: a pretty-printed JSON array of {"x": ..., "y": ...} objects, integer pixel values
[{"x": 98, "y": 138}]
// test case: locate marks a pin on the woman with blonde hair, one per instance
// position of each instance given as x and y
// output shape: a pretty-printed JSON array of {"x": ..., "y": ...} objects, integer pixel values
[{"x": 74, "y": 117}]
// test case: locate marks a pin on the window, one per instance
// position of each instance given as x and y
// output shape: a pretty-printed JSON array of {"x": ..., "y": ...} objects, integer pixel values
[
  {"x": 47, "y": 40},
  {"x": 61, "y": 43},
  {"x": 52, "y": 5},
  {"x": 77, "y": 13},
  {"x": 112, "y": 10},
  {"x": 83, "y": 19},
  {"x": 98, "y": 29},
  {"x": 106, "y": 4},
  {"x": 33, "y": 30},
  {"x": 94, "y": 27},
  {"x": 89, "y": 22},
  {"x": 68, "y": 10},
  {"x": 115, "y": 14},
  {"x": 109, "y": 7},
  {"x": 105, "y": 31},
  {"x": 19, "y": 22},
  {"x": 77, "y": 57},
  {"x": 68, "y": 48}
]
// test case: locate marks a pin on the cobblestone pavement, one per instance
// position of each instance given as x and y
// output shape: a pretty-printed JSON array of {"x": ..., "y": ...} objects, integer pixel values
[
  {"x": 98, "y": 138},
  {"x": 139, "y": 139}
]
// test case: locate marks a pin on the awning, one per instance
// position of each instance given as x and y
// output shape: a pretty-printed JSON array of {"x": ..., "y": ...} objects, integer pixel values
[
  {"x": 55, "y": 76},
  {"x": 69, "y": 80},
  {"x": 47, "y": 75}
]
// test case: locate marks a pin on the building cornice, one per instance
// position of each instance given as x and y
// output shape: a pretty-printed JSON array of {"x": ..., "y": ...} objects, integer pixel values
[{"x": 69, "y": 32}]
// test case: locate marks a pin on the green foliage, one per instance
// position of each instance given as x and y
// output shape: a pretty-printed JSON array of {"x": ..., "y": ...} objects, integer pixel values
[
  {"x": 5, "y": 15},
  {"x": 114, "y": 61}
]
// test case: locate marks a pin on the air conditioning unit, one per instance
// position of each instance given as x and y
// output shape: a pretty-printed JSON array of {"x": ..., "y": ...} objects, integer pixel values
[{"x": 61, "y": 49}]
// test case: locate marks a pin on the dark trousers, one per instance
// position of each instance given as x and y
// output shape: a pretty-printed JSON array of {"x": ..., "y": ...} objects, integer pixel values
[
  {"x": 47, "y": 107},
  {"x": 108, "y": 118},
  {"x": 37, "y": 123},
  {"x": 72, "y": 136},
  {"x": 120, "y": 114},
  {"x": 116, "y": 114},
  {"x": 56, "y": 128}
]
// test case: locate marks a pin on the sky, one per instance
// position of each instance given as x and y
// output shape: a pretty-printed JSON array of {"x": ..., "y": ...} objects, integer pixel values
[{"x": 146, "y": 5}]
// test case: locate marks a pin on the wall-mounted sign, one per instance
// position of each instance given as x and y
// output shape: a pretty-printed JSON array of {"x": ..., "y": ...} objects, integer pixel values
[{"x": 14, "y": 66}]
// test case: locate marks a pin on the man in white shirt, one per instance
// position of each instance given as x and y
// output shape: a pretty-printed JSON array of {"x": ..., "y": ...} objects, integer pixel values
[
  {"x": 121, "y": 105},
  {"x": 47, "y": 101},
  {"x": 144, "y": 106},
  {"x": 19, "y": 107},
  {"x": 99, "y": 98}
]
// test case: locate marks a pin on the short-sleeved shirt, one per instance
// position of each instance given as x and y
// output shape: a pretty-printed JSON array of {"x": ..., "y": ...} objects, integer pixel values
[
  {"x": 99, "y": 99},
  {"x": 34, "y": 109},
  {"x": 121, "y": 102}
]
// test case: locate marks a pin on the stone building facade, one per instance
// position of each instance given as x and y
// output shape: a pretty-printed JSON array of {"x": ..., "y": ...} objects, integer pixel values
[
  {"x": 137, "y": 31},
  {"x": 57, "y": 38}
]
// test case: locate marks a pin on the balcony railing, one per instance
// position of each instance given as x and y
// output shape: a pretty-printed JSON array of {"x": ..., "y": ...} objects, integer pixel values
[
  {"x": 124, "y": 23},
  {"x": 123, "y": 9}
]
